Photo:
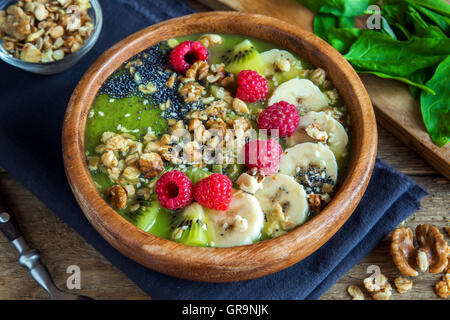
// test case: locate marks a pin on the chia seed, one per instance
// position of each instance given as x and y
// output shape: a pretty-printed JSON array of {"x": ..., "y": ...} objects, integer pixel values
[{"x": 122, "y": 84}]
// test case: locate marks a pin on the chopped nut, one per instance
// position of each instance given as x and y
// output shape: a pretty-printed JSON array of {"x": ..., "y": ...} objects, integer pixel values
[
  {"x": 282, "y": 64},
  {"x": 130, "y": 174},
  {"x": 318, "y": 76},
  {"x": 379, "y": 287},
  {"x": 144, "y": 193},
  {"x": 30, "y": 53},
  {"x": 432, "y": 242},
  {"x": 209, "y": 40},
  {"x": 333, "y": 96},
  {"x": 56, "y": 32},
  {"x": 151, "y": 165},
  {"x": 194, "y": 124},
  {"x": 197, "y": 71},
  {"x": 117, "y": 196},
  {"x": 40, "y": 12},
  {"x": 171, "y": 81},
  {"x": 355, "y": 292},
  {"x": 109, "y": 159},
  {"x": 58, "y": 54},
  {"x": 249, "y": 183},
  {"x": 93, "y": 163},
  {"x": 36, "y": 35},
  {"x": 315, "y": 202},
  {"x": 383, "y": 294},
  {"x": 403, "y": 252},
  {"x": 152, "y": 146},
  {"x": 313, "y": 130},
  {"x": 403, "y": 284},
  {"x": 422, "y": 260},
  {"x": 130, "y": 190},
  {"x": 239, "y": 106},
  {"x": 191, "y": 92},
  {"x": 442, "y": 289},
  {"x": 116, "y": 143},
  {"x": 374, "y": 284}
]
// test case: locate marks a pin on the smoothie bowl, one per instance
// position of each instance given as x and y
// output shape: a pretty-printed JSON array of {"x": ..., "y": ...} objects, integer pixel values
[{"x": 219, "y": 146}]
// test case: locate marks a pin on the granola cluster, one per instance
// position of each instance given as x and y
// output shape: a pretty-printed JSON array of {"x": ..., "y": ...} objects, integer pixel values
[{"x": 45, "y": 30}]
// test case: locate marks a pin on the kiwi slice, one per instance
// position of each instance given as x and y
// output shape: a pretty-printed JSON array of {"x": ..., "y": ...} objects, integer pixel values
[
  {"x": 190, "y": 226},
  {"x": 197, "y": 174},
  {"x": 145, "y": 217},
  {"x": 242, "y": 56}
]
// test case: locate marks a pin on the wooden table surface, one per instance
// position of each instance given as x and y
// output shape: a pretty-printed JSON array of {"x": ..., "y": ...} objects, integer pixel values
[{"x": 61, "y": 247}]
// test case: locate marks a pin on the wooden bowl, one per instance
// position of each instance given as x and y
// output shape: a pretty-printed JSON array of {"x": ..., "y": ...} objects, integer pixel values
[{"x": 236, "y": 263}]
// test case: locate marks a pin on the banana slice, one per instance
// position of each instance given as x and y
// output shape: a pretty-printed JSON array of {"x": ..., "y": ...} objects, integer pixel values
[
  {"x": 284, "y": 203},
  {"x": 280, "y": 65},
  {"x": 302, "y": 93},
  {"x": 319, "y": 126},
  {"x": 241, "y": 224},
  {"x": 307, "y": 161}
]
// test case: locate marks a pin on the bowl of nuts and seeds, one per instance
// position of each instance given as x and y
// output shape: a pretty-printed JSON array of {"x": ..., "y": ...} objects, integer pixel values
[{"x": 48, "y": 36}]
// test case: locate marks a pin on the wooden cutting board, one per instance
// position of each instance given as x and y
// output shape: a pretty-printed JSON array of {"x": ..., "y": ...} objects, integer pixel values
[{"x": 395, "y": 108}]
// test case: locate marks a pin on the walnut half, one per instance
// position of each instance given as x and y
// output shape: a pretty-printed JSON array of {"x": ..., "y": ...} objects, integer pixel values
[
  {"x": 117, "y": 196},
  {"x": 432, "y": 242},
  {"x": 403, "y": 252}
]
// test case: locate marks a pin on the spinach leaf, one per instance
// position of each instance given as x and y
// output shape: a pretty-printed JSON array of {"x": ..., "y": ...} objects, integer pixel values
[
  {"x": 421, "y": 77},
  {"x": 343, "y": 38},
  {"x": 324, "y": 22},
  {"x": 436, "y": 108},
  {"x": 409, "y": 21},
  {"x": 377, "y": 52},
  {"x": 342, "y": 8},
  {"x": 441, "y": 21},
  {"x": 438, "y": 6}
]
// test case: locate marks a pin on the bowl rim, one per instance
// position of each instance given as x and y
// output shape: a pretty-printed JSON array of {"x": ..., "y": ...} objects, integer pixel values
[
  {"x": 234, "y": 263},
  {"x": 96, "y": 8}
]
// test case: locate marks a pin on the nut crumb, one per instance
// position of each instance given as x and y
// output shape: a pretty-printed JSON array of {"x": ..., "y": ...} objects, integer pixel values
[
  {"x": 402, "y": 284},
  {"x": 355, "y": 292}
]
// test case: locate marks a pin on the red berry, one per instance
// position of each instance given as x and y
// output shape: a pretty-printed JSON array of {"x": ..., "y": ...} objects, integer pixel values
[
  {"x": 282, "y": 116},
  {"x": 185, "y": 54},
  {"x": 214, "y": 192},
  {"x": 251, "y": 86},
  {"x": 263, "y": 155},
  {"x": 174, "y": 190}
]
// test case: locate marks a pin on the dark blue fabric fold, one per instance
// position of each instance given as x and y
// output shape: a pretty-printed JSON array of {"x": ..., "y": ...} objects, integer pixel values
[{"x": 31, "y": 113}]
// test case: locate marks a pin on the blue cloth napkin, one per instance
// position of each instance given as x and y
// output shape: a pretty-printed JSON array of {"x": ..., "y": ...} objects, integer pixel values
[{"x": 31, "y": 114}]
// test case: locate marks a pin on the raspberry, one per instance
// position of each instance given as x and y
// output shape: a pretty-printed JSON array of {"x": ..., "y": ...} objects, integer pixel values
[
  {"x": 282, "y": 116},
  {"x": 214, "y": 192},
  {"x": 263, "y": 155},
  {"x": 251, "y": 86},
  {"x": 174, "y": 190},
  {"x": 185, "y": 54}
]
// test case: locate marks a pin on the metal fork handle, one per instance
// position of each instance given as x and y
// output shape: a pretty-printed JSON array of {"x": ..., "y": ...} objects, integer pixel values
[{"x": 29, "y": 257}]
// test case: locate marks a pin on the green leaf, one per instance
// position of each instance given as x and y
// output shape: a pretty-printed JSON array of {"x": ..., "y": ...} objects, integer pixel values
[
  {"x": 341, "y": 8},
  {"x": 436, "y": 108},
  {"x": 441, "y": 21},
  {"x": 421, "y": 77},
  {"x": 324, "y": 22},
  {"x": 409, "y": 21},
  {"x": 402, "y": 79},
  {"x": 438, "y": 6},
  {"x": 343, "y": 38},
  {"x": 375, "y": 51}
]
